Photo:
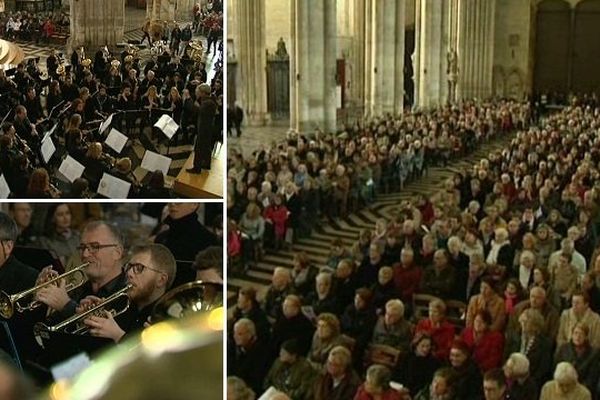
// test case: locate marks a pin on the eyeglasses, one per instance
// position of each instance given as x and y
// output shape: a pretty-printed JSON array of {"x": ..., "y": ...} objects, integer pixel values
[
  {"x": 93, "y": 247},
  {"x": 139, "y": 268}
]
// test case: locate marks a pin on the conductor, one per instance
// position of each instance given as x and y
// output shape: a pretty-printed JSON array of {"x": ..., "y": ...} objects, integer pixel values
[{"x": 206, "y": 108}]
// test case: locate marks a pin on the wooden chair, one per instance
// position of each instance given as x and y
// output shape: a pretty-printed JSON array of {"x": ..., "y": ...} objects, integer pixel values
[
  {"x": 456, "y": 312},
  {"x": 382, "y": 354},
  {"x": 421, "y": 305}
]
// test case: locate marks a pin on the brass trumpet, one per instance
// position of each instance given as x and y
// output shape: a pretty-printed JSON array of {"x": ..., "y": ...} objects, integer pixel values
[
  {"x": 10, "y": 303},
  {"x": 75, "y": 325},
  {"x": 189, "y": 298}
]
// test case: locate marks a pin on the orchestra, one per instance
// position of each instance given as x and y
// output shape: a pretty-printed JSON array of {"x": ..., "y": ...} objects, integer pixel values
[{"x": 68, "y": 104}]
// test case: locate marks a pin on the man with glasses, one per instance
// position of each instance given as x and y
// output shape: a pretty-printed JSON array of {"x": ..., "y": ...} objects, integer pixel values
[
  {"x": 151, "y": 272},
  {"x": 102, "y": 248}
]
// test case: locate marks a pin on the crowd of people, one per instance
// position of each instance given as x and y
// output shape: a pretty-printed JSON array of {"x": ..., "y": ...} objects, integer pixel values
[
  {"x": 282, "y": 190},
  {"x": 490, "y": 288},
  {"x": 74, "y": 97},
  {"x": 29, "y": 26},
  {"x": 179, "y": 250}
]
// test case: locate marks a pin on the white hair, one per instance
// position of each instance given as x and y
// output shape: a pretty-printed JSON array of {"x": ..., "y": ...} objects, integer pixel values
[
  {"x": 324, "y": 276},
  {"x": 565, "y": 372},
  {"x": 527, "y": 254},
  {"x": 396, "y": 305},
  {"x": 520, "y": 364},
  {"x": 248, "y": 323},
  {"x": 282, "y": 271}
]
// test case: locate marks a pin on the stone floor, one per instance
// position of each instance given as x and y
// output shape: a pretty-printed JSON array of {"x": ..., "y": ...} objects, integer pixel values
[{"x": 255, "y": 136}]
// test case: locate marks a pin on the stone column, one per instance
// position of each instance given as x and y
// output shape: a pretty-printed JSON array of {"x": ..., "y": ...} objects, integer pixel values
[
  {"x": 357, "y": 88},
  {"x": 252, "y": 59},
  {"x": 475, "y": 48},
  {"x": 96, "y": 23},
  {"x": 313, "y": 74},
  {"x": 388, "y": 56},
  {"x": 162, "y": 10},
  {"x": 184, "y": 10}
]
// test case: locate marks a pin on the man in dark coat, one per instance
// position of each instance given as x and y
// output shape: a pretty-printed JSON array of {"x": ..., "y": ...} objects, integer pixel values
[
  {"x": 185, "y": 237},
  {"x": 206, "y": 108}
]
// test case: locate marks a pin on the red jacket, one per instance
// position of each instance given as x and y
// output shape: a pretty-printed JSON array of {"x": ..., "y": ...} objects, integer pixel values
[
  {"x": 487, "y": 354},
  {"x": 407, "y": 281},
  {"x": 390, "y": 394},
  {"x": 279, "y": 216},
  {"x": 442, "y": 336}
]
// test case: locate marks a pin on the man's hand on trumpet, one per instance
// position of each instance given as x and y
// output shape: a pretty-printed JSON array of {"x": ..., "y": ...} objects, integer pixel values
[
  {"x": 54, "y": 296},
  {"x": 87, "y": 303},
  {"x": 105, "y": 327}
]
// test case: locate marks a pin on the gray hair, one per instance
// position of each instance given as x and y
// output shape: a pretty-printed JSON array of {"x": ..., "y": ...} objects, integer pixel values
[
  {"x": 240, "y": 389},
  {"x": 342, "y": 354},
  {"x": 114, "y": 232},
  {"x": 248, "y": 323},
  {"x": 520, "y": 364},
  {"x": 395, "y": 304},
  {"x": 565, "y": 372},
  {"x": 379, "y": 375}
]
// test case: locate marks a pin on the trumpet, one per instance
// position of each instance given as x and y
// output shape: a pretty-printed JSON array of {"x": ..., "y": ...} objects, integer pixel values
[
  {"x": 187, "y": 299},
  {"x": 75, "y": 325},
  {"x": 11, "y": 303}
]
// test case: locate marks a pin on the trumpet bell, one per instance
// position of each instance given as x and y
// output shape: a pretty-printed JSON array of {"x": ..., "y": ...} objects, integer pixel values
[
  {"x": 7, "y": 308},
  {"x": 189, "y": 298},
  {"x": 86, "y": 63},
  {"x": 115, "y": 64}
]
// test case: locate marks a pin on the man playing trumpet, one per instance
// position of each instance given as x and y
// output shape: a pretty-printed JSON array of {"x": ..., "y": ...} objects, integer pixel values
[{"x": 150, "y": 272}]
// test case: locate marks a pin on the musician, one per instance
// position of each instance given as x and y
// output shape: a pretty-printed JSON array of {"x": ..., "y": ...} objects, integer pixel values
[
  {"x": 39, "y": 185},
  {"x": 91, "y": 105},
  {"x": 185, "y": 237},
  {"x": 102, "y": 247},
  {"x": 33, "y": 105},
  {"x": 122, "y": 170},
  {"x": 95, "y": 165},
  {"x": 114, "y": 78},
  {"x": 54, "y": 96},
  {"x": 21, "y": 78},
  {"x": 74, "y": 139},
  {"x": 150, "y": 99},
  {"x": 23, "y": 126},
  {"x": 125, "y": 101},
  {"x": 100, "y": 65},
  {"x": 8, "y": 154},
  {"x": 133, "y": 82},
  {"x": 69, "y": 90},
  {"x": 15, "y": 277},
  {"x": 151, "y": 270},
  {"x": 174, "y": 102},
  {"x": 52, "y": 64},
  {"x": 19, "y": 181},
  {"x": 150, "y": 80},
  {"x": 105, "y": 102},
  {"x": 89, "y": 82}
]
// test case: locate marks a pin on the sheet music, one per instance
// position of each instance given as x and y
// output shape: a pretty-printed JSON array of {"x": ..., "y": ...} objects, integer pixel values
[
  {"x": 153, "y": 161},
  {"x": 113, "y": 188},
  {"x": 269, "y": 393},
  {"x": 71, "y": 168},
  {"x": 106, "y": 124},
  {"x": 48, "y": 148},
  {"x": 116, "y": 140},
  {"x": 50, "y": 132},
  {"x": 167, "y": 125},
  {"x": 4, "y": 189}
]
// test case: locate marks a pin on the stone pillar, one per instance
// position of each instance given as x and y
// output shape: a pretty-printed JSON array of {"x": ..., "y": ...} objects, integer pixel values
[
  {"x": 388, "y": 57},
  {"x": 252, "y": 59},
  {"x": 357, "y": 88},
  {"x": 184, "y": 10},
  {"x": 96, "y": 23},
  {"x": 313, "y": 74},
  {"x": 162, "y": 10},
  {"x": 475, "y": 48}
]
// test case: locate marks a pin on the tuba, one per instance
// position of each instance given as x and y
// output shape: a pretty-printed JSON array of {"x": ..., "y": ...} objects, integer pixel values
[
  {"x": 25, "y": 300},
  {"x": 189, "y": 298}
]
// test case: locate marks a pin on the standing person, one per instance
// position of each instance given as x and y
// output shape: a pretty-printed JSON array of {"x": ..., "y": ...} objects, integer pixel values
[
  {"x": 186, "y": 36},
  {"x": 146, "y": 31},
  {"x": 206, "y": 108}
]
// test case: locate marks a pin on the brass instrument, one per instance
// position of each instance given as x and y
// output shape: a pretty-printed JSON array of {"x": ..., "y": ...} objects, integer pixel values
[
  {"x": 189, "y": 298},
  {"x": 115, "y": 64},
  {"x": 75, "y": 325},
  {"x": 86, "y": 63},
  {"x": 10, "y": 303},
  {"x": 196, "y": 51}
]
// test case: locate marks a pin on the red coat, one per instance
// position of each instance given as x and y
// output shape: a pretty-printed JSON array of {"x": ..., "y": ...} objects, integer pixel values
[
  {"x": 279, "y": 216},
  {"x": 487, "y": 354},
  {"x": 407, "y": 281},
  {"x": 390, "y": 394},
  {"x": 442, "y": 336}
]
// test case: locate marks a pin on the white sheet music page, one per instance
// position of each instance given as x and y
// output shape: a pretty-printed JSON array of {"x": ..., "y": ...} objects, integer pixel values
[
  {"x": 116, "y": 140},
  {"x": 153, "y": 161},
  {"x": 113, "y": 188},
  {"x": 167, "y": 125},
  {"x": 71, "y": 168},
  {"x": 48, "y": 148},
  {"x": 106, "y": 124},
  {"x": 4, "y": 189}
]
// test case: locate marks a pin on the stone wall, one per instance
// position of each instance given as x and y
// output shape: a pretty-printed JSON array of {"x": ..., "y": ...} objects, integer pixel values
[
  {"x": 96, "y": 23},
  {"x": 513, "y": 48}
]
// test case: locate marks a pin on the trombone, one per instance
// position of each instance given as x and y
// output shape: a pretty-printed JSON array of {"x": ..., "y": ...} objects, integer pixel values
[
  {"x": 75, "y": 325},
  {"x": 10, "y": 303}
]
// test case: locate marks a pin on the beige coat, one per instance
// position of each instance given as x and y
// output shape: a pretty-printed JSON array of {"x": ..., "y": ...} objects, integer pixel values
[
  {"x": 495, "y": 307},
  {"x": 568, "y": 321},
  {"x": 550, "y": 391}
]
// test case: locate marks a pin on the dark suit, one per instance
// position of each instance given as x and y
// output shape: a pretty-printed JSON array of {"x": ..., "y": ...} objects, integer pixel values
[{"x": 205, "y": 133}]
